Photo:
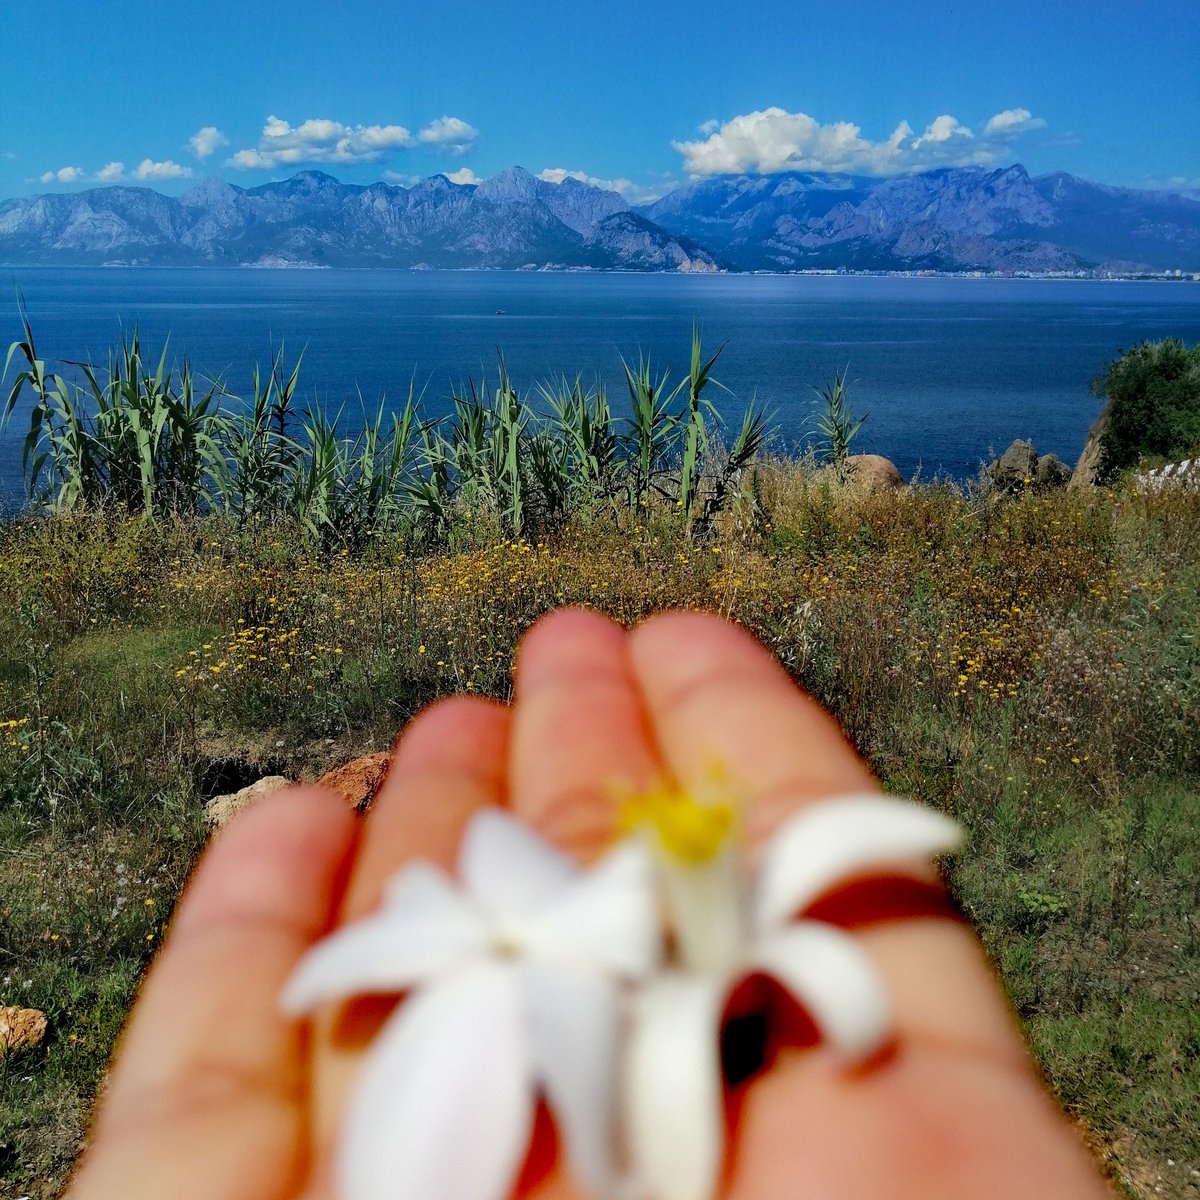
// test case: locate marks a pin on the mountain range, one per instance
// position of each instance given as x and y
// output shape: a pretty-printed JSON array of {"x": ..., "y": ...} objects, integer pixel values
[{"x": 953, "y": 219}]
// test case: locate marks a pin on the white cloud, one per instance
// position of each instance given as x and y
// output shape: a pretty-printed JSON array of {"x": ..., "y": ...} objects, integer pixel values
[
  {"x": 147, "y": 169},
  {"x": 207, "y": 140},
  {"x": 404, "y": 180},
  {"x": 111, "y": 173},
  {"x": 451, "y": 134},
  {"x": 320, "y": 140},
  {"x": 633, "y": 192},
  {"x": 63, "y": 175},
  {"x": 709, "y": 126},
  {"x": 463, "y": 175},
  {"x": 1011, "y": 122},
  {"x": 940, "y": 129},
  {"x": 773, "y": 140}
]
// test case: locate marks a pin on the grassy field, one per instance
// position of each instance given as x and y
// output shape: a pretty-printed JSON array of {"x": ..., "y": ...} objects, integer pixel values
[{"x": 1030, "y": 664}]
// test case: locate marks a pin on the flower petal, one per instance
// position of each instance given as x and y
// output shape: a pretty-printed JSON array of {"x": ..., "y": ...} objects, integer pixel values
[
  {"x": 509, "y": 870},
  {"x": 838, "y": 985},
  {"x": 424, "y": 927},
  {"x": 840, "y": 838},
  {"x": 444, "y": 1105},
  {"x": 573, "y": 1029},
  {"x": 607, "y": 917},
  {"x": 673, "y": 1093}
]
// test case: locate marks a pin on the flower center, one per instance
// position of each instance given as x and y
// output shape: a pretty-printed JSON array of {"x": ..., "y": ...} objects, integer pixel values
[{"x": 690, "y": 829}]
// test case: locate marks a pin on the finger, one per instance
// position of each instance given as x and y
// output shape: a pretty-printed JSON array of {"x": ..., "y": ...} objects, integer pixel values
[
  {"x": 956, "y": 1099},
  {"x": 203, "y": 1099},
  {"x": 714, "y": 694},
  {"x": 448, "y": 763},
  {"x": 578, "y": 730}
]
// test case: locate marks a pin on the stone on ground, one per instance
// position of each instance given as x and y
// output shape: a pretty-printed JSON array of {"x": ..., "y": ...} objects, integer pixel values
[
  {"x": 220, "y": 810},
  {"x": 20, "y": 1029},
  {"x": 357, "y": 780}
]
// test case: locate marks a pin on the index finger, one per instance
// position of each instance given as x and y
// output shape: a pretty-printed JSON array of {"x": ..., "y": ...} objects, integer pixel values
[{"x": 716, "y": 695}]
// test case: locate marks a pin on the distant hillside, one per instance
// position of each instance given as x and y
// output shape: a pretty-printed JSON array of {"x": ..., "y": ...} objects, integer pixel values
[
  {"x": 513, "y": 220},
  {"x": 956, "y": 219}
]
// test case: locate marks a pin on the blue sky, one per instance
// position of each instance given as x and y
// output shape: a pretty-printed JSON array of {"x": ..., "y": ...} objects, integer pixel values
[{"x": 641, "y": 94}]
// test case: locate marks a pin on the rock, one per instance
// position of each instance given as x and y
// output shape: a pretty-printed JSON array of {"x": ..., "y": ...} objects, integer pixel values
[
  {"x": 870, "y": 472},
  {"x": 220, "y": 810},
  {"x": 357, "y": 780},
  {"x": 1088, "y": 466},
  {"x": 1051, "y": 472},
  {"x": 21, "y": 1029},
  {"x": 874, "y": 472},
  {"x": 1016, "y": 468}
]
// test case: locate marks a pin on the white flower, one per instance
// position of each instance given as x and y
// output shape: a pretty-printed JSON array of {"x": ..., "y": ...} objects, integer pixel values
[
  {"x": 726, "y": 928},
  {"x": 517, "y": 986}
]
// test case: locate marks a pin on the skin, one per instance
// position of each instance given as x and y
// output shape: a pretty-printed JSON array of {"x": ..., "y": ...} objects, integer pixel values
[{"x": 213, "y": 1095}]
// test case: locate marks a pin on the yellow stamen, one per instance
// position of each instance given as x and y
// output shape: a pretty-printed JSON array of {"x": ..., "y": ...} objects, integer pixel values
[{"x": 690, "y": 828}]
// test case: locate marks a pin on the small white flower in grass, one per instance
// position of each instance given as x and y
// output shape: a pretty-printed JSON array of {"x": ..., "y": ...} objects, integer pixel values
[
  {"x": 516, "y": 981},
  {"x": 726, "y": 928}
]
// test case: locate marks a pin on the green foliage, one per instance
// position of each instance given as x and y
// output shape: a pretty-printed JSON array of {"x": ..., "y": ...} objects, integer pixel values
[
  {"x": 143, "y": 441},
  {"x": 838, "y": 428},
  {"x": 1153, "y": 394}
]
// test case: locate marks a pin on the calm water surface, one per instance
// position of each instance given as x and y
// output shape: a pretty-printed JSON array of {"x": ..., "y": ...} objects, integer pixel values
[{"x": 948, "y": 370}]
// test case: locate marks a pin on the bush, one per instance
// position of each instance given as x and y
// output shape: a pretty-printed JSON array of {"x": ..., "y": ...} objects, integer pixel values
[{"x": 1153, "y": 396}]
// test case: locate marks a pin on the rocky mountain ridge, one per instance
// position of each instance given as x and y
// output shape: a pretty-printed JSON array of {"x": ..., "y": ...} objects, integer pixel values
[
  {"x": 952, "y": 219},
  {"x": 512, "y": 221}
]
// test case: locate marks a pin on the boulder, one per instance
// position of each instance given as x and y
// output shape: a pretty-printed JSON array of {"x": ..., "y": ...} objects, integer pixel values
[
  {"x": 874, "y": 472},
  {"x": 220, "y": 810},
  {"x": 1051, "y": 472},
  {"x": 20, "y": 1029},
  {"x": 1088, "y": 466},
  {"x": 870, "y": 472},
  {"x": 357, "y": 780},
  {"x": 1016, "y": 468}
]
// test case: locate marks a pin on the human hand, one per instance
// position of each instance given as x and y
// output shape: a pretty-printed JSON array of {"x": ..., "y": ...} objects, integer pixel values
[{"x": 213, "y": 1094}]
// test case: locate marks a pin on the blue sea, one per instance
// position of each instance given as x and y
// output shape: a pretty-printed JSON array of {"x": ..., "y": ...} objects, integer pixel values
[{"x": 948, "y": 371}]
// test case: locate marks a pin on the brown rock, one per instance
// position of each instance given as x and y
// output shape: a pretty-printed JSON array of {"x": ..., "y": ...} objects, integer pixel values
[
  {"x": 357, "y": 780},
  {"x": 874, "y": 472},
  {"x": 21, "y": 1029},
  {"x": 1052, "y": 472},
  {"x": 220, "y": 810},
  {"x": 870, "y": 472},
  {"x": 1016, "y": 468},
  {"x": 1088, "y": 466}
]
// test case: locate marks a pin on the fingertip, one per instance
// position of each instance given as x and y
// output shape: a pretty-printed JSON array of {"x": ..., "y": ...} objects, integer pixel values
[
  {"x": 439, "y": 730},
  {"x": 253, "y": 863},
  {"x": 563, "y": 639}
]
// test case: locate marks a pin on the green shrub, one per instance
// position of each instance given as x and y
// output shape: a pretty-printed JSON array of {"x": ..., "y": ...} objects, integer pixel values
[{"x": 1153, "y": 394}]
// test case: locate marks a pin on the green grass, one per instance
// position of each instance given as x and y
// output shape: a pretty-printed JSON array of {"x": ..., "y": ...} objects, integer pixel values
[{"x": 1031, "y": 665}]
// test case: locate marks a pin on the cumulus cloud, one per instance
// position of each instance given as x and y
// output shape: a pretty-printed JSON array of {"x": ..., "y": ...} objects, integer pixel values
[
  {"x": 463, "y": 175},
  {"x": 450, "y": 134},
  {"x": 1011, "y": 122},
  {"x": 320, "y": 140},
  {"x": 63, "y": 175},
  {"x": 148, "y": 169},
  {"x": 940, "y": 129},
  {"x": 111, "y": 173},
  {"x": 207, "y": 141},
  {"x": 773, "y": 139},
  {"x": 633, "y": 192},
  {"x": 402, "y": 178}
]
